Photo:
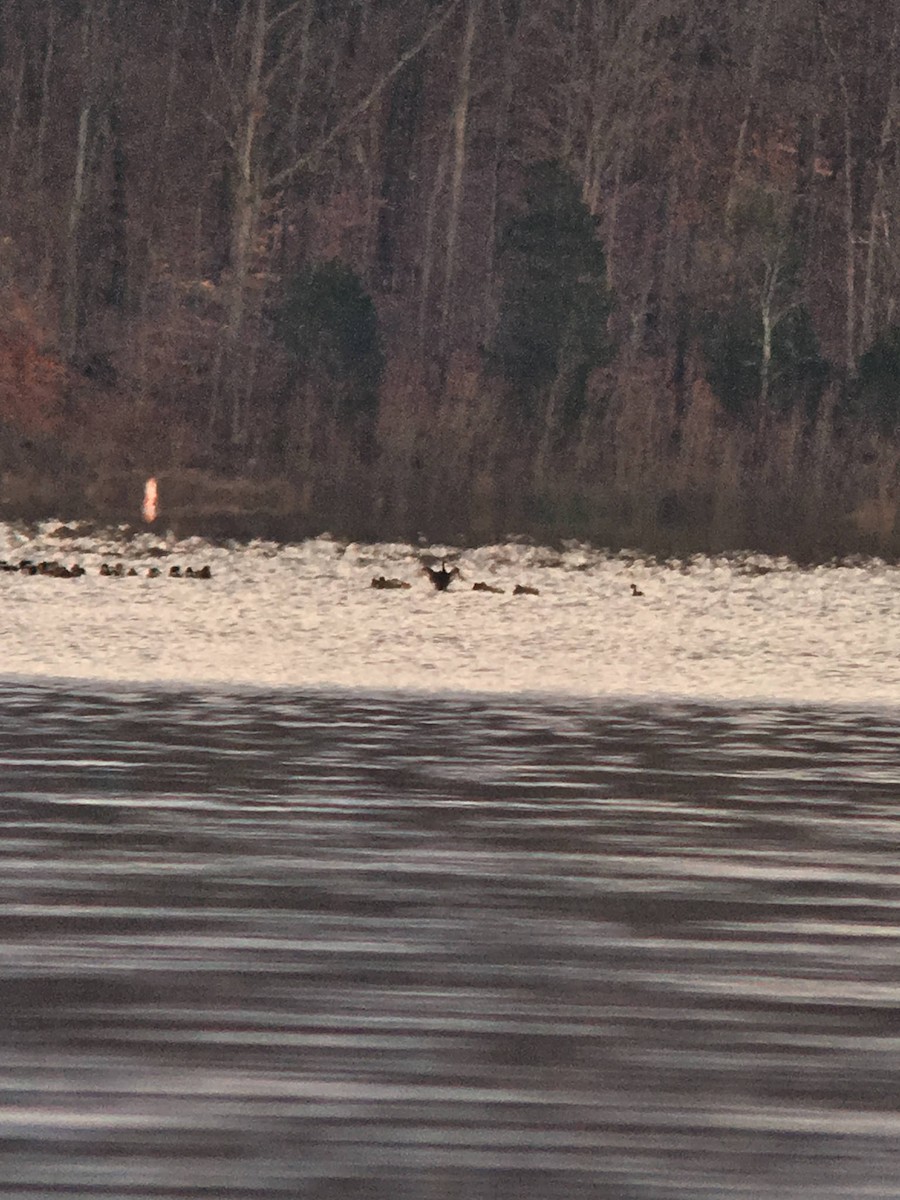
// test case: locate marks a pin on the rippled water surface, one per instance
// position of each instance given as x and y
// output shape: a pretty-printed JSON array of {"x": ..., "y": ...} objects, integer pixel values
[
  {"x": 334, "y": 946},
  {"x": 319, "y": 892}
]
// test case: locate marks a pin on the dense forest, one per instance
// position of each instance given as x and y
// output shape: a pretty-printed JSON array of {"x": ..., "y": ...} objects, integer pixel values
[{"x": 619, "y": 270}]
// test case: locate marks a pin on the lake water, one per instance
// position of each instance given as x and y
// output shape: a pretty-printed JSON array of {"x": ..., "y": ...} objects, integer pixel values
[{"x": 315, "y": 891}]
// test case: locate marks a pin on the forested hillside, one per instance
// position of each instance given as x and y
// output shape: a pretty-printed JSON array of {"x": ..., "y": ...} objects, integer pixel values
[{"x": 622, "y": 270}]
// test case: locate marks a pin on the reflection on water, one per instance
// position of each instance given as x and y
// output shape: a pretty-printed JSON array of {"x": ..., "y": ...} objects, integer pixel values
[{"x": 337, "y": 946}]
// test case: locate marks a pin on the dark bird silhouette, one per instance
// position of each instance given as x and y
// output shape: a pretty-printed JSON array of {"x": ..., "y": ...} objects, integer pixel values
[
  {"x": 522, "y": 589},
  {"x": 481, "y": 586},
  {"x": 635, "y": 590},
  {"x": 441, "y": 579}
]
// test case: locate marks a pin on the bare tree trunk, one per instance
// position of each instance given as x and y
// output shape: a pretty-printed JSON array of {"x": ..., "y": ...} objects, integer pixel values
[
  {"x": 179, "y": 21},
  {"x": 402, "y": 128},
  {"x": 116, "y": 292},
  {"x": 594, "y": 158},
  {"x": 240, "y": 432},
  {"x": 646, "y": 276},
  {"x": 460, "y": 123},
  {"x": 760, "y": 33},
  {"x": 40, "y": 139},
  {"x": 372, "y": 156},
  {"x": 350, "y": 117},
  {"x": 850, "y": 243},
  {"x": 767, "y": 316},
  {"x": 571, "y": 85},
  {"x": 246, "y": 192},
  {"x": 849, "y": 215},
  {"x": 71, "y": 299},
  {"x": 440, "y": 176},
  {"x": 511, "y": 34},
  {"x": 612, "y": 220},
  {"x": 15, "y": 123},
  {"x": 95, "y": 55},
  {"x": 298, "y": 88},
  {"x": 878, "y": 195},
  {"x": 807, "y": 146}
]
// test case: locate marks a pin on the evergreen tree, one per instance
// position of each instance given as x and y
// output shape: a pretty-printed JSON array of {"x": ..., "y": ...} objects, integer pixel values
[
  {"x": 328, "y": 323},
  {"x": 877, "y": 393},
  {"x": 761, "y": 348},
  {"x": 555, "y": 299},
  {"x": 733, "y": 348}
]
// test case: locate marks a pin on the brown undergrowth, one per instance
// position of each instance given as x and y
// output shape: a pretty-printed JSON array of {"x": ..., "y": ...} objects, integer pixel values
[{"x": 644, "y": 465}]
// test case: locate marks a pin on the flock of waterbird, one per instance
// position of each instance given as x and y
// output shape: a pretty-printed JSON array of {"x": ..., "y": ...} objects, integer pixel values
[
  {"x": 118, "y": 570},
  {"x": 440, "y": 577}
]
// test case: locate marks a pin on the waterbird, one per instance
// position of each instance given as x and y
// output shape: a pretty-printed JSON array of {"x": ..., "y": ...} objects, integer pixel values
[
  {"x": 481, "y": 586},
  {"x": 441, "y": 579},
  {"x": 389, "y": 584},
  {"x": 635, "y": 590},
  {"x": 522, "y": 589}
]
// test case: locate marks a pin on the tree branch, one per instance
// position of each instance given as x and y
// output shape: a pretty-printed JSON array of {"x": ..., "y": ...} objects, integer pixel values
[
  {"x": 285, "y": 12},
  {"x": 282, "y": 177},
  {"x": 217, "y": 62}
]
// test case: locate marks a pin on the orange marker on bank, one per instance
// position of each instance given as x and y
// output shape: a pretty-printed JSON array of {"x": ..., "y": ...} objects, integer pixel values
[{"x": 150, "y": 507}]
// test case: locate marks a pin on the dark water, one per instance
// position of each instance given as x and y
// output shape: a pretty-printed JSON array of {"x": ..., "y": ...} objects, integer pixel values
[{"x": 335, "y": 947}]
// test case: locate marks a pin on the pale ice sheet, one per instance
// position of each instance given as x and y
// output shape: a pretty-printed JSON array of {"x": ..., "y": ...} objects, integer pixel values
[{"x": 737, "y": 628}]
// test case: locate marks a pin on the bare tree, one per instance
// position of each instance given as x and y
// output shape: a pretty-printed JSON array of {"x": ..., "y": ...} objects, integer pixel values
[
  {"x": 15, "y": 76},
  {"x": 460, "y": 125},
  {"x": 512, "y": 18},
  {"x": 271, "y": 36},
  {"x": 839, "y": 66},
  {"x": 47, "y": 55},
  {"x": 761, "y": 32},
  {"x": 876, "y": 221},
  {"x": 94, "y": 47}
]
